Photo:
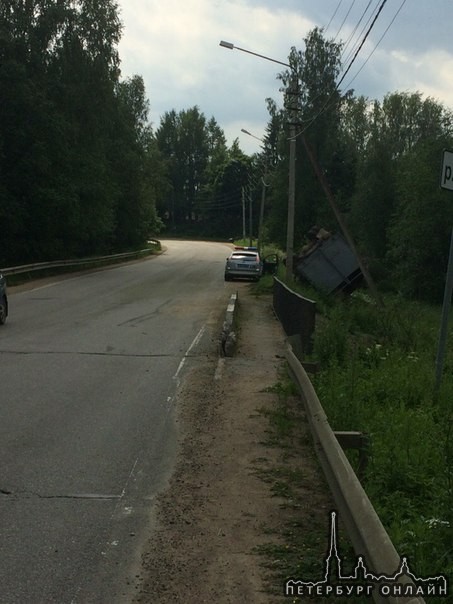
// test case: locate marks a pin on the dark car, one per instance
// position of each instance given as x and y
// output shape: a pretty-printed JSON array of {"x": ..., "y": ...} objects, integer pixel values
[{"x": 3, "y": 300}]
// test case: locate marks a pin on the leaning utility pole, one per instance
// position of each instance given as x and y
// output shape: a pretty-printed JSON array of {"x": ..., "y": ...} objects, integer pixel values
[{"x": 338, "y": 215}]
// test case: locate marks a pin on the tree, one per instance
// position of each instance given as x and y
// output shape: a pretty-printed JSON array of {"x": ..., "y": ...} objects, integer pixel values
[
  {"x": 183, "y": 142},
  {"x": 420, "y": 227},
  {"x": 194, "y": 151},
  {"x": 318, "y": 111},
  {"x": 230, "y": 188},
  {"x": 398, "y": 128},
  {"x": 137, "y": 166},
  {"x": 79, "y": 169}
]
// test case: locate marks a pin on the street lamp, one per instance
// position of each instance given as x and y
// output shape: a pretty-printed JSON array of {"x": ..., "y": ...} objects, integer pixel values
[
  {"x": 252, "y": 135},
  {"x": 231, "y": 46},
  {"x": 292, "y": 157}
]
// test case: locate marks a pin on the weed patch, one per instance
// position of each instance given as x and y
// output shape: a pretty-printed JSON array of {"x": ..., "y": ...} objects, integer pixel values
[{"x": 297, "y": 547}]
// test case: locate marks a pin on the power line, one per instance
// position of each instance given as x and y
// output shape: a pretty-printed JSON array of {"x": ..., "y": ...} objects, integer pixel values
[
  {"x": 356, "y": 43},
  {"x": 209, "y": 208},
  {"x": 333, "y": 16},
  {"x": 379, "y": 41},
  {"x": 330, "y": 102},
  {"x": 351, "y": 36},
  {"x": 344, "y": 20},
  {"x": 383, "y": 3},
  {"x": 212, "y": 203}
]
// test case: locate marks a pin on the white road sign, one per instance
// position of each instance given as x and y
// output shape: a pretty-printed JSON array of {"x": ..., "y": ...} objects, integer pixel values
[{"x": 446, "y": 178}]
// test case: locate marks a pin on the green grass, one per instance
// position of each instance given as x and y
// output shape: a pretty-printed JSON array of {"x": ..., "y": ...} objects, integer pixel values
[
  {"x": 246, "y": 242},
  {"x": 297, "y": 546},
  {"x": 378, "y": 376}
]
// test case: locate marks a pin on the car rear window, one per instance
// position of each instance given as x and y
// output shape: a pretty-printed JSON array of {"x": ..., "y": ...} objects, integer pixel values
[{"x": 245, "y": 256}]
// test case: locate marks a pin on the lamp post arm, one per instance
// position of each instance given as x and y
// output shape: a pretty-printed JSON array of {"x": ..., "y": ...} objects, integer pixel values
[
  {"x": 263, "y": 57},
  {"x": 252, "y": 135},
  {"x": 231, "y": 46}
]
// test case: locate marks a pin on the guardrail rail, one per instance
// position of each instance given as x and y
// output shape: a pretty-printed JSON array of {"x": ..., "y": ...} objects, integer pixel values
[{"x": 42, "y": 266}]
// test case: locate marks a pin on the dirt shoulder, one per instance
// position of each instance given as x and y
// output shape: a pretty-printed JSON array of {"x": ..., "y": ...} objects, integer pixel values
[{"x": 223, "y": 505}]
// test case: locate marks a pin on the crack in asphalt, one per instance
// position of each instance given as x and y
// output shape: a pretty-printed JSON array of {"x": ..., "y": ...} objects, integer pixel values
[
  {"x": 145, "y": 317},
  {"x": 31, "y": 494},
  {"x": 100, "y": 354}
]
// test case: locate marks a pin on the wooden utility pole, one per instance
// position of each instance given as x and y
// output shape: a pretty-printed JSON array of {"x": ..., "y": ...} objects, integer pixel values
[
  {"x": 243, "y": 214},
  {"x": 250, "y": 217},
  {"x": 293, "y": 96}
]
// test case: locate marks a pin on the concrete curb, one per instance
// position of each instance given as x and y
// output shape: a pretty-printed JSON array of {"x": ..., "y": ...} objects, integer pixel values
[{"x": 228, "y": 339}]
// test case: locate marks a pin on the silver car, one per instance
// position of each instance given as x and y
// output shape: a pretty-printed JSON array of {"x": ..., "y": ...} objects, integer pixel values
[
  {"x": 3, "y": 300},
  {"x": 243, "y": 263}
]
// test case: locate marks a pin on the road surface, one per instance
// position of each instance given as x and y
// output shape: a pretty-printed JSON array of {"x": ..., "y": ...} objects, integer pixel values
[{"x": 89, "y": 368}]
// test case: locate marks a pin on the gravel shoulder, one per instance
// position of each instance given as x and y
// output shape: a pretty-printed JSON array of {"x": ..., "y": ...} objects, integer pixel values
[{"x": 217, "y": 510}]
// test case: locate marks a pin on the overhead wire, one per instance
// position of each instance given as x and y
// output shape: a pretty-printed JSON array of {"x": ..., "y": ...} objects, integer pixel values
[
  {"x": 333, "y": 16},
  {"x": 221, "y": 197},
  {"x": 379, "y": 41},
  {"x": 352, "y": 34},
  {"x": 207, "y": 206},
  {"x": 225, "y": 202},
  {"x": 330, "y": 102},
  {"x": 344, "y": 20},
  {"x": 212, "y": 204},
  {"x": 356, "y": 44},
  {"x": 350, "y": 37},
  {"x": 383, "y": 3}
]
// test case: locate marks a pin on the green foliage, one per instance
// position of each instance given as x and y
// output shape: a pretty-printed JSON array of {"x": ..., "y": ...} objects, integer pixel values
[
  {"x": 381, "y": 160},
  {"x": 331, "y": 341},
  {"x": 420, "y": 228},
  {"x": 398, "y": 212},
  {"x": 317, "y": 68},
  {"x": 378, "y": 377},
  {"x": 75, "y": 147},
  {"x": 208, "y": 182}
]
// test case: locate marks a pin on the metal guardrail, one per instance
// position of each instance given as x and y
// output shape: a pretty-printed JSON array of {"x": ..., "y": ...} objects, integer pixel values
[
  {"x": 41, "y": 266},
  {"x": 366, "y": 532}
]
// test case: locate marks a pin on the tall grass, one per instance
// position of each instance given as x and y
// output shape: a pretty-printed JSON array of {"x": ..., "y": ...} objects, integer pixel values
[{"x": 377, "y": 376}]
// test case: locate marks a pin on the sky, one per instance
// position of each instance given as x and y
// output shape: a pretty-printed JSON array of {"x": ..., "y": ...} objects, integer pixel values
[{"x": 174, "y": 46}]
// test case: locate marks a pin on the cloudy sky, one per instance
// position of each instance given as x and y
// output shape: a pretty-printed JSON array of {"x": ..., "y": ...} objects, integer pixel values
[{"x": 174, "y": 46}]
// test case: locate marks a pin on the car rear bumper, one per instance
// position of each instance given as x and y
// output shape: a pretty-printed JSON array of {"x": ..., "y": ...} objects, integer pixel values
[{"x": 252, "y": 274}]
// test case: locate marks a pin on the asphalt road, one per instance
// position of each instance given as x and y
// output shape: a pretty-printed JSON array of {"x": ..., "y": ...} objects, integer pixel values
[{"x": 89, "y": 367}]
